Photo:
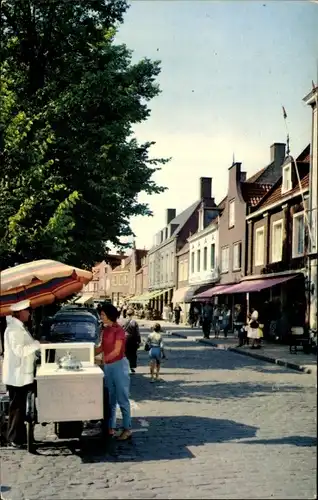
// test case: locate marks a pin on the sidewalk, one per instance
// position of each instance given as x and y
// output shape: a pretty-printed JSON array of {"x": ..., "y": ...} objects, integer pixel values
[{"x": 272, "y": 353}]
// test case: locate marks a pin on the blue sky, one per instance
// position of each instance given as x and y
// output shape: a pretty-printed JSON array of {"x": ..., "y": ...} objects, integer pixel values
[{"x": 227, "y": 69}]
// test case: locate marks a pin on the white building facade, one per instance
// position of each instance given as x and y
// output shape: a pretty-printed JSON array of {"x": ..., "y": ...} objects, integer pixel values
[{"x": 203, "y": 256}]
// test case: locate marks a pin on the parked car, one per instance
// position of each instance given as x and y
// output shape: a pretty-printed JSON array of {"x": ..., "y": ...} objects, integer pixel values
[
  {"x": 74, "y": 307},
  {"x": 74, "y": 326}
]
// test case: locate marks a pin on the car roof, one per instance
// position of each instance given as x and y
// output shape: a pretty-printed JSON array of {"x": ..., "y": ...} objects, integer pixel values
[{"x": 75, "y": 315}]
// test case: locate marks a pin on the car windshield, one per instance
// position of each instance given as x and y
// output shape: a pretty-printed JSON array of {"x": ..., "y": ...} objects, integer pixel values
[{"x": 78, "y": 329}]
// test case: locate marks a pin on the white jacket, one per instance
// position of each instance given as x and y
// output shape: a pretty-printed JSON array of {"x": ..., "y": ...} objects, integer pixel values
[{"x": 19, "y": 354}]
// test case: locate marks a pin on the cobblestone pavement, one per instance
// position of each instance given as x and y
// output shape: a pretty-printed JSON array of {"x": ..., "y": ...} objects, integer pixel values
[{"x": 218, "y": 425}]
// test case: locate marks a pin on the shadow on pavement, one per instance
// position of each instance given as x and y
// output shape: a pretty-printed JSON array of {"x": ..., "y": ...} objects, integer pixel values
[
  {"x": 302, "y": 441},
  {"x": 191, "y": 391},
  {"x": 169, "y": 438},
  {"x": 184, "y": 354}
]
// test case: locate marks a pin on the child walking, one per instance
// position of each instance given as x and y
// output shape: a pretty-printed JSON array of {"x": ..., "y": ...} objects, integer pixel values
[{"x": 156, "y": 351}]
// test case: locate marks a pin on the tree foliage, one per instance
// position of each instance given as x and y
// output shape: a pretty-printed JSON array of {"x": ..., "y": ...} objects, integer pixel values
[{"x": 71, "y": 168}]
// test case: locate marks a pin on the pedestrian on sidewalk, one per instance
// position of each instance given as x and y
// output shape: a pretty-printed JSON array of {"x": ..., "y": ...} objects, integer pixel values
[
  {"x": 18, "y": 370},
  {"x": 116, "y": 369},
  {"x": 254, "y": 331},
  {"x": 226, "y": 320},
  {"x": 154, "y": 345},
  {"x": 207, "y": 315},
  {"x": 239, "y": 321},
  {"x": 177, "y": 314},
  {"x": 133, "y": 340}
]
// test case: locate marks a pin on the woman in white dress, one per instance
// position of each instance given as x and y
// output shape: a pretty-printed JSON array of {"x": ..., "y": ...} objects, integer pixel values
[{"x": 254, "y": 330}]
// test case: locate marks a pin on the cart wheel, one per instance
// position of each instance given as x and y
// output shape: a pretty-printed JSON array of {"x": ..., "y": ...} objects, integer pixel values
[{"x": 30, "y": 437}]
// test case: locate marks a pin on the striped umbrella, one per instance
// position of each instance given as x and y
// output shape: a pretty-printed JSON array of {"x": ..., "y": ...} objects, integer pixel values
[{"x": 41, "y": 281}]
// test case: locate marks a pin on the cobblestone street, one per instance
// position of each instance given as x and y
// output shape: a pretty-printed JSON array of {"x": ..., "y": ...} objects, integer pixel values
[{"x": 217, "y": 425}]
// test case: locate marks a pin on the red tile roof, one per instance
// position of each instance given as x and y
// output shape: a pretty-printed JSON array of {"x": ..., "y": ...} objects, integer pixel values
[
  {"x": 277, "y": 194},
  {"x": 253, "y": 192}
]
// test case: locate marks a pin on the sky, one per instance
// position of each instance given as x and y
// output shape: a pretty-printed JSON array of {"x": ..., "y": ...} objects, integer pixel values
[{"x": 227, "y": 68}]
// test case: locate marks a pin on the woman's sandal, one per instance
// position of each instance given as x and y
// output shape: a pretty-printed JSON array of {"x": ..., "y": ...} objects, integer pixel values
[{"x": 125, "y": 435}]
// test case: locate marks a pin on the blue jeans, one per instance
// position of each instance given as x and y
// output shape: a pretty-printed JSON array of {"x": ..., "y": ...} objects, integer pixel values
[{"x": 117, "y": 381}]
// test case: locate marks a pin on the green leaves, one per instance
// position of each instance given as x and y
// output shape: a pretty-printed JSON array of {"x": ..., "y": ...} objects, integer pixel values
[{"x": 69, "y": 99}]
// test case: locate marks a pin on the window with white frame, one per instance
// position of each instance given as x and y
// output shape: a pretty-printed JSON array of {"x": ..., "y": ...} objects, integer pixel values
[
  {"x": 198, "y": 261},
  {"x": 192, "y": 262},
  {"x": 259, "y": 247},
  {"x": 205, "y": 258},
  {"x": 298, "y": 234},
  {"x": 212, "y": 259},
  {"x": 181, "y": 271},
  {"x": 277, "y": 241},
  {"x": 287, "y": 178},
  {"x": 232, "y": 213},
  {"x": 237, "y": 256},
  {"x": 225, "y": 256},
  {"x": 186, "y": 269}
]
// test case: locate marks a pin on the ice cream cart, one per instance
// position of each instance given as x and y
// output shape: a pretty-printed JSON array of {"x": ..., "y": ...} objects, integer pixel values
[{"x": 68, "y": 392}]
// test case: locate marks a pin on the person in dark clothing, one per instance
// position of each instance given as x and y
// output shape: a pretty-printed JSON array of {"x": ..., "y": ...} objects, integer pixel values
[
  {"x": 207, "y": 316},
  {"x": 239, "y": 322},
  {"x": 177, "y": 314},
  {"x": 133, "y": 340}
]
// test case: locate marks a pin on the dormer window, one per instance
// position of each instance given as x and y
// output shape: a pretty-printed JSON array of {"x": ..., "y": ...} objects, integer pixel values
[{"x": 287, "y": 178}]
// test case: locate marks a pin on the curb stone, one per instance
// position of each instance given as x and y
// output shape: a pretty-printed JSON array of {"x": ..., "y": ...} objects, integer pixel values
[{"x": 262, "y": 357}]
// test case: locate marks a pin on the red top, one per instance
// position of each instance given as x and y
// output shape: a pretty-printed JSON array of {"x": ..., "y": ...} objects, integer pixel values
[{"x": 113, "y": 343}]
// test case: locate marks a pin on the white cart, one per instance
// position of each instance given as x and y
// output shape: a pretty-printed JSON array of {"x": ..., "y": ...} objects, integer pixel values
[{"x": 65, "y": 397}]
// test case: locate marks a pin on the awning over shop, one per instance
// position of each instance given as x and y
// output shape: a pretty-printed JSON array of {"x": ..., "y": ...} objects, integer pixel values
[
  {"x": 195, "y": 290},
  {"x": 180, "y": 295},
  {"x": 84, "y": 299},
  {"x": 248, "y": 286},
  {"x": 257, "y": 285},
  {"x": 158, "y": 293},
  {"x": 215, "y": 290}
]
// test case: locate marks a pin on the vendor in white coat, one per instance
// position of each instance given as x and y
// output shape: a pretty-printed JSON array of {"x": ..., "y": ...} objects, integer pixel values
[{"x": 18, "y": 369}]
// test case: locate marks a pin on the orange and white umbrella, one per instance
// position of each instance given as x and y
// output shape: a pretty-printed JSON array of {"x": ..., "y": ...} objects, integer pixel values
[{"x": 41, "y": 281}]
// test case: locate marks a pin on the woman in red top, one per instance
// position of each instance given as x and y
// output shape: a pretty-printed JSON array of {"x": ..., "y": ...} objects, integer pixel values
[{"x": 116, "y": 369}]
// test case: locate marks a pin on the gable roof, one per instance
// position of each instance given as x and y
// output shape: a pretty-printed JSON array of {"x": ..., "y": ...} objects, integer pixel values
[
  {"x": 275, "y": 194},
  {"x": 181, "y": 219}
]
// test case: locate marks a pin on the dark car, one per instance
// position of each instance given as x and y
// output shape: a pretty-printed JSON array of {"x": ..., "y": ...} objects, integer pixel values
[
  {"x": 74, "y": 307},
  {"x": 74, "y": 326}
]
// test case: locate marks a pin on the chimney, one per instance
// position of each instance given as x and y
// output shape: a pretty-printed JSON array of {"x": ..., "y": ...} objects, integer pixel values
[
  {"x": 171, "y": 214},
  {"x": 205, "y": 188},
  {"x": 243, "y": 177},
  {"x": 278, "y": 151}
]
